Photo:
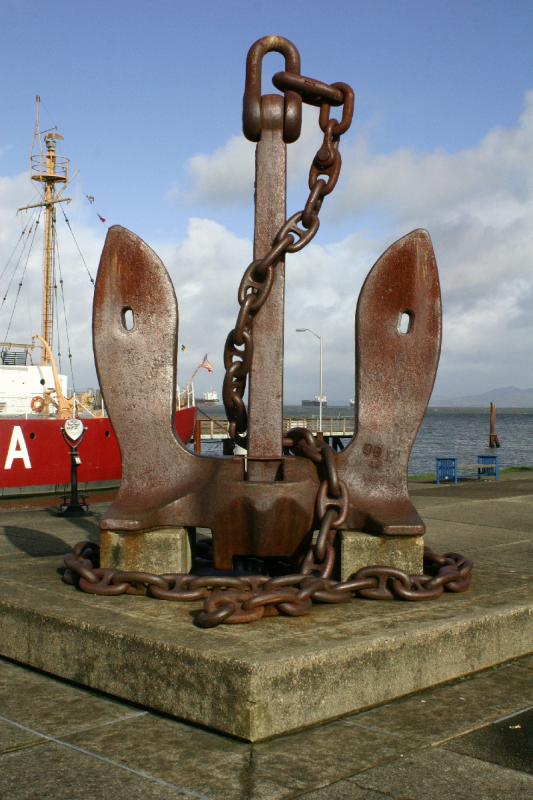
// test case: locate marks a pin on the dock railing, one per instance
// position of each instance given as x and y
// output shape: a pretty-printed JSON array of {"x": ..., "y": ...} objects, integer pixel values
[{"x": 213, "y": 428}]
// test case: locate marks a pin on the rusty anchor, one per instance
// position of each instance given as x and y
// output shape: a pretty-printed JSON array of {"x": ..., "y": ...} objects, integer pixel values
[{"x": 265, "y": 505}]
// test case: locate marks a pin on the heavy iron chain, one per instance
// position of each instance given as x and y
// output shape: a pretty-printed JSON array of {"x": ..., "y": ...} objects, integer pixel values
[
  {"x": 247, "y": 598},
  {"x": 293, "y": 236}
]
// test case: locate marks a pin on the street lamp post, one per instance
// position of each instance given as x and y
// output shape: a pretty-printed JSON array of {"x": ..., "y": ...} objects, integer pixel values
[{"x": 321, "y": 395}]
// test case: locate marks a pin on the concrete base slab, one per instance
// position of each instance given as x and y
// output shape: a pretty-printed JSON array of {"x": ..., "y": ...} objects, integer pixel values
[
  {"x": 159, "y": 551},
  {"x": 261, "y": 680},
  {"x": 254, "y": 681}
]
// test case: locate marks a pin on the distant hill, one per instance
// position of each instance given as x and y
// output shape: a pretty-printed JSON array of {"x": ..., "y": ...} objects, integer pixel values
[{"x": 505, "y": 397}]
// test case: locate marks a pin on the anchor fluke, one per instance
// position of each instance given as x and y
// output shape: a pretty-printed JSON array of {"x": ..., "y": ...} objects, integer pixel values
[
  {"x": 397, "y": 346},
  {"x": 135, "y": 327}
]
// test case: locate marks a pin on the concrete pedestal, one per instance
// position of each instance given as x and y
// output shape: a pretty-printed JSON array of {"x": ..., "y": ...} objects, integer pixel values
[
  {"x": 282, "y": 673},
  {"x": 161, "y": 551},
  {"x": 356, "y": 550}
]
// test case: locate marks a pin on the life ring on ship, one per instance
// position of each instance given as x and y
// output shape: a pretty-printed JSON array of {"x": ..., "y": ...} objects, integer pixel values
[{"x": 37, "y": 404}]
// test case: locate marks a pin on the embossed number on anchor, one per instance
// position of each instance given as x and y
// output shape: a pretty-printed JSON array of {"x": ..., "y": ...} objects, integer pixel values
[{"x": 377, "y": 452}]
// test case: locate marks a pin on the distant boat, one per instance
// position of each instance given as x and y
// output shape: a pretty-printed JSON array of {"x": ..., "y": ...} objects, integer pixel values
[
  {"x": 316, "y": 401},
  {"x": 352, "y": 401},
  {"x": 209, "y": 398}
]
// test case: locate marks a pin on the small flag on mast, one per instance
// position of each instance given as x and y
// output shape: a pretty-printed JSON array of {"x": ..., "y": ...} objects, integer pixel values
[
  {"x": 90, "y": 198},
  {"x": 205, "y": 364}
]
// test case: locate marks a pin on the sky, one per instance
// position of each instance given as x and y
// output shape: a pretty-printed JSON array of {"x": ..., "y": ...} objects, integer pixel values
[{"x": 149, "y": 100}]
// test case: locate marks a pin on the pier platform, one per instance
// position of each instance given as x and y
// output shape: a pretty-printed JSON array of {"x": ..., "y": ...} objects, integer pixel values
[
  {"x": 281, "y": 674},
  {"x": 216, "y": 428}
]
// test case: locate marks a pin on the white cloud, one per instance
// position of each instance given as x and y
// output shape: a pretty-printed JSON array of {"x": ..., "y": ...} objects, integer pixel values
[
  {"x": 322, "y": 284},
  {"x": 206, "y": 268},
  {"x": 226, "y": 176},
  {"x": 477, "y": 204}
]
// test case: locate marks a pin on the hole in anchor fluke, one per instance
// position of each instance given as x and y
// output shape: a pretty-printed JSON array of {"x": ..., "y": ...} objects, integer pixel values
[
  {"x": 405, "y": 322},
  {"x": 128, "y": 320}
]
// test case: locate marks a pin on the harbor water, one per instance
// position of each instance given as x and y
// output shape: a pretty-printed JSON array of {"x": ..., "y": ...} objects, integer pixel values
[
  {"x": 464, "y": 433},
  {"x": 445, "y": 432}
]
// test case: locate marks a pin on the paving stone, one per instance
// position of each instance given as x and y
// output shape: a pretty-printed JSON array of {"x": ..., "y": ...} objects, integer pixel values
[
  {"x": 343, "y": 790},
  {"x": 21, "y": 543},
  {"x": 55, "y": 707},
  {"x": 497, "y": 513},
  {"x": 469, "y": 539},
  {"x": 513, "y": 559},
  {"x": 41, "y": 533},
  {"x": 198, "y": 760},
  {"x": 325, "y": 754},
  {"x": 264, "y": 771},
  {"x": 55, "y": 772},
  {"x": 443, "y": 775},
  {"x": 436, "y": 714},
  {"x": 508, "y": 742},
  {"x": 13, "y": 738},
  {"x": 509, "y": 485}
]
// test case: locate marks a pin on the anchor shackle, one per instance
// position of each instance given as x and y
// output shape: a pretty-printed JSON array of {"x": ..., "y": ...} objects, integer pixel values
[{"x": 252, "y": 122}]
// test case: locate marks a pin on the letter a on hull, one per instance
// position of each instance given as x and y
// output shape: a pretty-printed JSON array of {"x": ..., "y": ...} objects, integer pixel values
[{"x": 17, "y": 449}]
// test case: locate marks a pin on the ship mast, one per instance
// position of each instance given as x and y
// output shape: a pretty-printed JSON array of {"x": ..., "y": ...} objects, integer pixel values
[{"x": 48, "y": 169}]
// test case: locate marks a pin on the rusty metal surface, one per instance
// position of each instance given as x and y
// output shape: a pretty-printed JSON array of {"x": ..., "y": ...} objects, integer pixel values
[
  {"x": 395, "y": 373},
  {"x": 297, "y": 484},
  {"x": 265, "y": 391},
  {"x": 260, "y": 276},
  {"x": 252, "y": 121}
]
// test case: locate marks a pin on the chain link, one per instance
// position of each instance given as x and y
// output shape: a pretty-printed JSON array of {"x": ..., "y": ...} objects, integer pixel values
[
  {"x": 292, "y": 237},
  {"x": 245, "y": 599}
]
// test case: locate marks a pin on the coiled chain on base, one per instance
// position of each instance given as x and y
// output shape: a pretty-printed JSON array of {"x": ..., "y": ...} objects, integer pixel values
[
  {"x": 246, "y": 598},
  {"x": 233, "y": 600}
]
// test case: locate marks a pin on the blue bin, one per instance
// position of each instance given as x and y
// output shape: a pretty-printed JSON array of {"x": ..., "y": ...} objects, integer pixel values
[
  {"x": 446, "y": 469},
  {"x": 492, "y": 461}
]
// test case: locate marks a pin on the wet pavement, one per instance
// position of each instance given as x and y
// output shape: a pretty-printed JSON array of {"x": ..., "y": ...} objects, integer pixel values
[{"x": 470, "y": 739}]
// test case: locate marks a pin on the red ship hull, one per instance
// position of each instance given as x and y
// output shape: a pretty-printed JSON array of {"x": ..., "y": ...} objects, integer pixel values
[{"x": 33, "y": 452}]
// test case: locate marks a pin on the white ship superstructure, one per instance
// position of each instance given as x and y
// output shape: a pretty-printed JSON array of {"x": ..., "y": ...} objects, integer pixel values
[{"x": 21, "y": 382}]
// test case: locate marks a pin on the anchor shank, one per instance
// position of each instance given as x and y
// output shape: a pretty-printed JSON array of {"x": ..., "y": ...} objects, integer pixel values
[{"x": 265, "y": 403}]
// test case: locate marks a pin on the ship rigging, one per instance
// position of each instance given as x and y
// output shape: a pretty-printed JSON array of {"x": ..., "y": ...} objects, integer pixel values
[
  {"x": 40, "y": 388},
  {"x": 34, "y": 401}
]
